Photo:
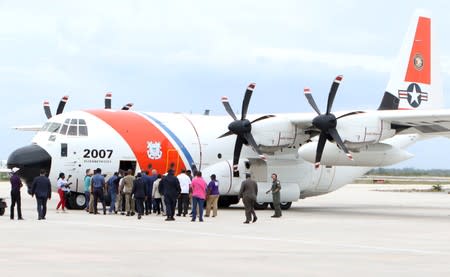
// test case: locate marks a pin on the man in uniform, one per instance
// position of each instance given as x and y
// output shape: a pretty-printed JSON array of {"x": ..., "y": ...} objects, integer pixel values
[
  {"x": 42, "y": 189},
  {"x": 170, "y": 187},
  {"x": 248, "y": 193},
  {"x": 16, "y": 185},
  {"x": 275, "y": 189}
]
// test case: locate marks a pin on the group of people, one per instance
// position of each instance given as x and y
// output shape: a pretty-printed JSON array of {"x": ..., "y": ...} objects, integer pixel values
[{"x": 144, "y": 194}]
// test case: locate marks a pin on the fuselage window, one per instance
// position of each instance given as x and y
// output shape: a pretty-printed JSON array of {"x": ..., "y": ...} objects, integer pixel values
[
  {"x": 63, "y": 149},
  {"x": 64, "y": 129},
  {"x": 54, "y": 127},
  {"x": 72, "y": 130}
]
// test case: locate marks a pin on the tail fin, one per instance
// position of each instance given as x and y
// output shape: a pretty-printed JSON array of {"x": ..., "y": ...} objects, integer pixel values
[{"x": 415, "y": 81}]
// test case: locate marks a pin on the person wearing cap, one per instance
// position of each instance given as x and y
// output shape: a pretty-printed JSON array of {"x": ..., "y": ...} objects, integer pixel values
[
  {"x": 275, "y": 189},
  {"x": 41, "y": 188},
  {"x": 16, "y": 184},
  {"x": 212, "y": 196},
  {"x": 248, "y": 193}
]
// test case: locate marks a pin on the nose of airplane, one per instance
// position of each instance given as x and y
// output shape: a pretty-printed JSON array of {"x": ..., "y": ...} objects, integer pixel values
[{"x": 30, "y": 159}]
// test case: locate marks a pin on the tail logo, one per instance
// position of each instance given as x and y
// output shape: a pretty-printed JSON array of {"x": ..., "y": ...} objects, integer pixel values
[
  {"x": 418, "y": 62},
  {"x": 413, "y": 94},
  {"x": 154, "y": 150}
]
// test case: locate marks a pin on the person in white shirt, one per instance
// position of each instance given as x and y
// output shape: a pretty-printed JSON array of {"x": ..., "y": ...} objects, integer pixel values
[{"x": 183, "y": 199}]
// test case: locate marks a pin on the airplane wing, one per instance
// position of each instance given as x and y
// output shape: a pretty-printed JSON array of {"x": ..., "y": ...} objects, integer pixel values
[
  {"x": 28, "y": 128},
  {"x": 429, "y": 123}
]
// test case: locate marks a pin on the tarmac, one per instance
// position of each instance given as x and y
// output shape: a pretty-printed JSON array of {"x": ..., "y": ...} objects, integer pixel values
[{"x": 359, "y": 230}]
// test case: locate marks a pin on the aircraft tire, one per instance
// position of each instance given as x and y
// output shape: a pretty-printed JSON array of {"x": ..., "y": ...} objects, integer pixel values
[
  {"x": 77, "y": 201},
  {"x": 261, "y": 205},
  {"x": 285, "y": 205}
]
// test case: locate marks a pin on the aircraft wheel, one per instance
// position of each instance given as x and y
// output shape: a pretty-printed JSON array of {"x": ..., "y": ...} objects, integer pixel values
[
  {"x": 77, "y": 201},
  {"x": 261, "y": 205},
  {"x": 285, "y": 205}
]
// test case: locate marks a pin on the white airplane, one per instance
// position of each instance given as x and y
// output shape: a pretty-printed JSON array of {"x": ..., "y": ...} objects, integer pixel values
[{"x": 292, "y": 145}]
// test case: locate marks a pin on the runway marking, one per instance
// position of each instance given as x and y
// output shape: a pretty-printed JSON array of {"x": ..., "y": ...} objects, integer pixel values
[{"x": 260, "y": 238}]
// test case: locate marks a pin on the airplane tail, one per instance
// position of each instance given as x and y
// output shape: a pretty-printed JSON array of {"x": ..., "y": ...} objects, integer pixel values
[{"x": 415, "y": 81}]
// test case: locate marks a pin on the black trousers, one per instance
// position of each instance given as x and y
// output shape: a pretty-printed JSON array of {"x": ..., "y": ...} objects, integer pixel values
[
  {"x": 170, "y": 201},
  {"x": 15, "y": 199},
  {"x": 148, "y": 205},
  {"x": 140, "y": 206},
  {"x": 41, "y": 207},
  {"x": 98, "y": 193},
  {"x": 183, "y": 203}
]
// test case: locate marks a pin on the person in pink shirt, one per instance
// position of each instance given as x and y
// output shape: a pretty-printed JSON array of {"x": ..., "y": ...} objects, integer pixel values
[{"x": 198, "y": 196}]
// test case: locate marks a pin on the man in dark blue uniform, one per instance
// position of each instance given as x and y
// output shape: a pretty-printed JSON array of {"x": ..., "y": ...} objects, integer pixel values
[
  {"x": 170, "y": 188},
  {"x": 42, "y": 189},
  {"x": 16, "y": 184}
]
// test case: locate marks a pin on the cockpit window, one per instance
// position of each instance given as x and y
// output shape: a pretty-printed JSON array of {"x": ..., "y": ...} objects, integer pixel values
[
  {"x": 74, "y": 121},
  {"x": 72, "y": 130},
  {"x": 82, "y": 130},
  {"x": 45, "y": 126},
  {"x": 64, "y": 129},
  {"x": 54, "y": 127},
  {"x": 67, "y": 121}
]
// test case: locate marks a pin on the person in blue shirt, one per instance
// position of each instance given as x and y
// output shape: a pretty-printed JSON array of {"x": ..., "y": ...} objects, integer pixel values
[
  {"x": 113, "y": 189},
  {"x": 98, "y": 187}
]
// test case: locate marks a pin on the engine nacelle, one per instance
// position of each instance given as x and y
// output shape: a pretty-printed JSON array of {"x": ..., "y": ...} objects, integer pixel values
[
  {"x": 272, "y": 133},
  {"x": 363, "y": 129},
  {"x": 372, "y": 155}
]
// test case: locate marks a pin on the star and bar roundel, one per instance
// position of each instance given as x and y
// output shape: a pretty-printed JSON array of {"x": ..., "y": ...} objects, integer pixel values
[{"x": 413, "y": 94}]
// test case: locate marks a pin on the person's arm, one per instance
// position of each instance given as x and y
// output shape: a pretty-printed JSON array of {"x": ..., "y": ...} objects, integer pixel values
[
  {"x": 33, "y": 187},
  {"x": 49, "y": 186}
]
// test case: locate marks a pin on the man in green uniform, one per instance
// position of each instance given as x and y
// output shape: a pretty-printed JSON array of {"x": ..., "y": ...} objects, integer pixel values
[
  {"x": 275, "y": 189},
  {"x": 248, "y": 193}
]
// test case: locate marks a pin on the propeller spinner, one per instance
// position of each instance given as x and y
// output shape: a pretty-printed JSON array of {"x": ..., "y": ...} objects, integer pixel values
[
  {"x": 242, "y": 128},
  {"x": 327, "y": 122}
]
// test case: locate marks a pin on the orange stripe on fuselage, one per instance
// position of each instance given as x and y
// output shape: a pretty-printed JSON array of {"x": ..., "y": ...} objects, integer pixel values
[
  {"x": 421, "y": 48},
  {"x": 137, "y": 131}
]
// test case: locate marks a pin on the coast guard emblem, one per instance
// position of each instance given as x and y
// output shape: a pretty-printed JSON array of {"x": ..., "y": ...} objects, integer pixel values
[
  {"x": 418, "y": 62},
  {"x": 154, "y": 150}
]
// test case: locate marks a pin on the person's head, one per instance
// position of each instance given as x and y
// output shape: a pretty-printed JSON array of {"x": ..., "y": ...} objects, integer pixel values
[
  {"x": 42, "y": 172},
  {"x": 139, "y": 175},
  {"x": 198, "y": 174},
  {"x": 130, "y": 172},
  {"x": 87, "y": 171},
  {"x": 213, "y": 177},
  {"x": 116, "y": 173},
  {"x": 274, "y": 176},
  {"x": 248, "y": 175},
  {"x": 61, "y": 175},
  {"x": 98, "y": 171},
  {"x": 188, "y": 172},
  {"x": 154, "y": 172},
  {"x": 147, "y": 173},
  {"x": 170, "y": 172},
  {"x": 183, "y": 171},
  {"x": 159, "y": 176}
]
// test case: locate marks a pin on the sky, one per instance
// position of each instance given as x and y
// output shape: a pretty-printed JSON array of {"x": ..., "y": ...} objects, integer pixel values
[{"x": 183, "y": 56}]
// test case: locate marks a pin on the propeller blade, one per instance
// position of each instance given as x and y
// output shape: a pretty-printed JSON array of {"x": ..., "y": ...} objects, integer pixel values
[
  {"x": 61, "y": 105},
  {"x": 226, "y": 134},
  {"x": 228, "y": 108},
  {"x": 246, "y": 101},
  {"x": 262, "y": 118},
  {"x": 319, "y": 151},
  {"x": 127, "y": 107},
  {"x": 47, "y": 110},
  {"x": 249, "y": 138},
  {"x": 335, "y": 135},
  {"x": 108, "y": 100},
  {"x": 237, "y": 153},
  {"x": 351, "y": 113},
  {"x": 310, "y": 99},
  {"x": 333, "y": 91}
]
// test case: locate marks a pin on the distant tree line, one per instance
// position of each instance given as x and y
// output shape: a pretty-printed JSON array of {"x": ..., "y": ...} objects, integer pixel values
[{"x": 408, "y": 171}]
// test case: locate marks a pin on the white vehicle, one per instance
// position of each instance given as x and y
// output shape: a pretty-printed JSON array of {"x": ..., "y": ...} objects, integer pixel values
[{"x": 312, "y": 154}]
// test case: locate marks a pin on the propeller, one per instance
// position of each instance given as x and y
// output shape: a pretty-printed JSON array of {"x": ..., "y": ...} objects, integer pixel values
[
  {"x": 108, "y": 101},
  {"x": 327, "y": 122},
  {"x": 59, "y": 110},
  {"x": 242, "y": 128}
]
